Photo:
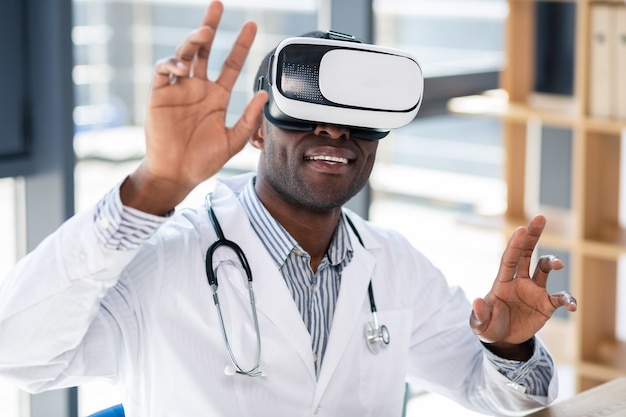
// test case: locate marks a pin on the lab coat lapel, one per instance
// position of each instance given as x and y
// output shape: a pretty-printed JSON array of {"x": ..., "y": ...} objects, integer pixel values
[
  {"x": 346, "y": 324},
  {"x": 273, "y": 299}
]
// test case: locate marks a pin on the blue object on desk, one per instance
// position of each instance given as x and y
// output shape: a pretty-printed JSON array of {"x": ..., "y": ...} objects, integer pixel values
[{"x": 115, "y": 411}]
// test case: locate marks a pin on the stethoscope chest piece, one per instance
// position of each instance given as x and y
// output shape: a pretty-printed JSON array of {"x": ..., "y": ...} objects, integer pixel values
[{"x": 376, "y": 336}]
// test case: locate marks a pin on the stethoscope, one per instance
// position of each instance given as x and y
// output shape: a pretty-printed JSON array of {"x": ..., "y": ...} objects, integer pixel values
[{"x": 376, "y": 335}]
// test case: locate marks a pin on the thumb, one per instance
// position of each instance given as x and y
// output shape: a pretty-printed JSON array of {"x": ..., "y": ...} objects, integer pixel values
[
  {"x": 251, "y": 117},
  {"x": 481, "y": 314}
]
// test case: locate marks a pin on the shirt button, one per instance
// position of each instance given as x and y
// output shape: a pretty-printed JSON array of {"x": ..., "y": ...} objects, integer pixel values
[
  {"x": 297, "y": 252},
  {"x": 317, "y": 410},
  {"x": 315, "y": 357},
  {"x": 316, "y": 289}
]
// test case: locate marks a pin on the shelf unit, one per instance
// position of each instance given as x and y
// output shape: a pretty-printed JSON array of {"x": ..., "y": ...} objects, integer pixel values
[{"x": 589, "y": 230}]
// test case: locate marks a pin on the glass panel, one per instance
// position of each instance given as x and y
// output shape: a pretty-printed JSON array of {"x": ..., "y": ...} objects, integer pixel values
[
  {"x": 9, "y": 395},
  {"x": 443, "y": 151},
  {"x": 447, "y": 36},
  {"x": 444, "y": 171}
]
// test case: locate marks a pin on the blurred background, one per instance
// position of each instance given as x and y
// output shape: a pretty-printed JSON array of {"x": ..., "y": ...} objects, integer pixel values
[{"x": 438, "y": 180}]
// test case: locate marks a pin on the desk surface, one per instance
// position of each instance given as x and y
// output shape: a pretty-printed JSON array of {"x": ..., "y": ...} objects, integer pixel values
[{"x": 606, "y": 400}]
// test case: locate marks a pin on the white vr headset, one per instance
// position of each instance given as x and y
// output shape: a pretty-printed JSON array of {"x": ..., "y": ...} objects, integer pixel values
[{"x": 368, "y": 88}]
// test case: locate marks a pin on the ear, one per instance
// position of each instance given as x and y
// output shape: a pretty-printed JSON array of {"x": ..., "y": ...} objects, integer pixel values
[{"x": 258, "y": 138}]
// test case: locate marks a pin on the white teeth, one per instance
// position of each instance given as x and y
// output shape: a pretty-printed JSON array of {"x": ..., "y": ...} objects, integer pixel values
[{"x": 327, "y": 158}]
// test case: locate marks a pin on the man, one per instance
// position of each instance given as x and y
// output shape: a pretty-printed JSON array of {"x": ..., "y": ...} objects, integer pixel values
[{"x": 120, "y": 291}]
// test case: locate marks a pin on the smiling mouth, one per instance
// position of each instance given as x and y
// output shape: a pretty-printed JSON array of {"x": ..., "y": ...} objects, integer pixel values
[{"x": 327, "y": 158}]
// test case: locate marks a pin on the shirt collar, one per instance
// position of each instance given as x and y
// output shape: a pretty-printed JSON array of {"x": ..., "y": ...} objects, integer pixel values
[{"x": 279, "y": 242}]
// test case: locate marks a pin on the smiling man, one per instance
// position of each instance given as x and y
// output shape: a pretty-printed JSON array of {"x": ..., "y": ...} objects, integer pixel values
[{"x": 271, "y": 299}]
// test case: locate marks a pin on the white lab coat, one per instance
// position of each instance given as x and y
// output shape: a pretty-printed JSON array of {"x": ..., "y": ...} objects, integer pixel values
[{"x": 74, "y": 311}]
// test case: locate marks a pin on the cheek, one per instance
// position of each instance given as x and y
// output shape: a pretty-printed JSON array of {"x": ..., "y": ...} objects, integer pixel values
[
  {"x": 369, "y": 150},
  {"x": 277, "y": 157}
]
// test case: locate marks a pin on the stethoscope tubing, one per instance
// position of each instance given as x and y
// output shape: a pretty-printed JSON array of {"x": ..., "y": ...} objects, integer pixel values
[
  {"x": 374, "y": 334},
  {"x": 212, "y": 278}
]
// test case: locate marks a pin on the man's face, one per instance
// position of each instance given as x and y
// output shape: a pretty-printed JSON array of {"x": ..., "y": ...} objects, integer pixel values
[{"x": 317, "y": 170}]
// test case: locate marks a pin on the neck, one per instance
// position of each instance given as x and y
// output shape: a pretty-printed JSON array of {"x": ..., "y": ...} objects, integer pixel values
[{"x": 312, "y": 229}]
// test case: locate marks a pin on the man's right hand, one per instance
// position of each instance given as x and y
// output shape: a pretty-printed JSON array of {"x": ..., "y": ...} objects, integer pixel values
[{"x": 187, "y": 140}]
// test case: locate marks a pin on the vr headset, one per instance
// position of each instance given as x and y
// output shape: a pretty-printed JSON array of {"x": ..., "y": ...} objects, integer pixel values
[{"x": 338, "y": 80}]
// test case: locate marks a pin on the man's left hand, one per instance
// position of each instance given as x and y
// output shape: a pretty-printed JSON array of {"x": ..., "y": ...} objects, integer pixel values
[{"x": 518, "y": 305}]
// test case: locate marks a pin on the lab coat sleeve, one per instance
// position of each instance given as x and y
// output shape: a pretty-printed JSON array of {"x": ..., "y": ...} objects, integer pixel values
[
  {"x": 53, "y": 298},
  {"x": 445, "y": 355}
]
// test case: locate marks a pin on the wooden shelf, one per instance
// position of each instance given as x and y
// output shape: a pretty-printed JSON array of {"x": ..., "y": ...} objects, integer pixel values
[
  {"x": 611, "y": 236},
  {"x": 599, "y": 372},
  {"x": 495, "y": 104},
  {"x": 552, "y": 335},
  {"x": 608, "y": 126},
  {"x": 550, "y": 110},
  {"x": 612, "y": 353},
  {"x": 560, "y": 230},
  {"x": 589, "y": 230},
  {"x": 603, "y": 250}
]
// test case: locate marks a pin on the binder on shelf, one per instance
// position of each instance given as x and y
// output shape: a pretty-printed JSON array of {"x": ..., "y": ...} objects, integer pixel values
[
  {"x": 555, "y": 33},
  {"x": 620, "y": 55},
  {"x": 601, "y": 85}
]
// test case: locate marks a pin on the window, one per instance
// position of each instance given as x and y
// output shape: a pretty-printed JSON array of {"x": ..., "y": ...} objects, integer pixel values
[
  {"x": 449, "y": 37},
  {"x": 444, "y": 171},
  {"x": 9, "y": 395}
]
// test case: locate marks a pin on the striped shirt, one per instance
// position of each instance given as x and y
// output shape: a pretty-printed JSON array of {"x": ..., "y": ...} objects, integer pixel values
[{"x": 315, "y": 294}]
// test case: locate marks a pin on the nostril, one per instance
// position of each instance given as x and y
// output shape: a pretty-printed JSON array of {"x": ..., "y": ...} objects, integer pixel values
[{"x": 332, "y": 131}]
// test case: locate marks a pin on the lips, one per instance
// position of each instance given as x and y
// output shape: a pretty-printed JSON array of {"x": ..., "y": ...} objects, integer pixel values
[
  {"x": 328, "y": 158},
  {"x": 330, "y": 154}
]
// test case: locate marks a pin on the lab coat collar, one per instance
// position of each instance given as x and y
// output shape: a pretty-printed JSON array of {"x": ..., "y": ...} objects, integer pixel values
[
  {"x": 272, "y": 296},
  {"x": 352, "y": 303}
]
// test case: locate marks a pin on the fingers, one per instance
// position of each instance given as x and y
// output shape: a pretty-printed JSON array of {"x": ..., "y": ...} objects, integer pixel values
[
  {"x": 564, "y": 299},
  {"x": 546, "y": 264},
  {"x": 167, "y": 70},
  {"x": 515, "y": 261},
  {"x": 184, "y": 64},
  {"x": 250, "y": 119},
  {"x": 195, "y": 49},
  {"x": 489, "y": 322},
  {"x": 479, "y": 319},
  {"x": 237, "y": 56},
  {"x": 511, "y": 255},
  {"x": 535, "y": 228},
  {"x": 192, "y": 55},
  {"x": 210, "y": 22}
]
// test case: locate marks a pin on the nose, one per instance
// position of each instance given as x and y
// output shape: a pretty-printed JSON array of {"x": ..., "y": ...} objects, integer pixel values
[{"x": 332, "y": 131}]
